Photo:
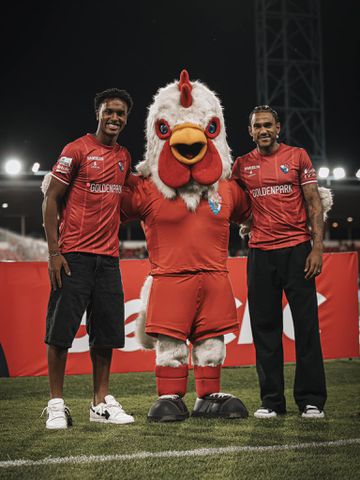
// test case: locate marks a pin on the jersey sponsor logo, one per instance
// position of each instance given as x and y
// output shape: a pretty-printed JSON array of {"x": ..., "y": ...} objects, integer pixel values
[
  {"x": 215, "y": 202},
  {"x": 250, "y": 170},
  {"x": 251, "y": 167},
  {"x": 66, "y": 161},
  {"x": 273, "y": 190},
  {"x": 104, "y": 187},
  {"x": 95, "y": 164},
  {"x": 94, "y": 157},
  {"x": 309, "y": 173},
  {"x": 284, "y": 168},
  {"x": 63, "y": 165}
]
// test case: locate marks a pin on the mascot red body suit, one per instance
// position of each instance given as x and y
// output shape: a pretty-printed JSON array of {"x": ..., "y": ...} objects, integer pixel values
[{"x": 186, "y": 201}]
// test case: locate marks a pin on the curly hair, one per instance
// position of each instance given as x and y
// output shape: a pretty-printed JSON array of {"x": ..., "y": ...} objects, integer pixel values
[{"x": 111, "y": 93}]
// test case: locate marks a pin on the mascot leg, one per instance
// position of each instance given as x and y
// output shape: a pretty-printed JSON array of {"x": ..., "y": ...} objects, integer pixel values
[
  {"x": 208, "y": 356},
  {"x": 171, "y": 380}
]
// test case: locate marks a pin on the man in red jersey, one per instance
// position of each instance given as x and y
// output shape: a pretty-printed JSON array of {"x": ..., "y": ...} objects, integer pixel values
[
  {"x": 282, "y": 186},
  {"x": 81, "y": 212}
]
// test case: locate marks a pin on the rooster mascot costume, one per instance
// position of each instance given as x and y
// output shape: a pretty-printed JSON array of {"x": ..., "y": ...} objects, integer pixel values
[{"x": 185, "y": 200}]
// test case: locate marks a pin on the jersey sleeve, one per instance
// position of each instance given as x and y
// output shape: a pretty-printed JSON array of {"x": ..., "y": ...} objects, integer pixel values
[
  {"x": 241, "y": 203},
  {"x": 236, "y": 172},
  {"x": 128, "y": 164},
  {"x": 307, "y": 173},
  {"x": 67, "y": 164},
  {"x": 131, "y": 206}
]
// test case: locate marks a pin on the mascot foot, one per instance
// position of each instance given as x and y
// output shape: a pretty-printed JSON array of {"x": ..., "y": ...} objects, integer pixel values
[
  {"x": 219, "y": 405},
  {"x": 168, "y": 408}
]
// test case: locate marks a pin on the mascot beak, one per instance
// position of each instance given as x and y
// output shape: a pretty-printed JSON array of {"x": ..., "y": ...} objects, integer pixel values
[{"x": 188, "y": 143}]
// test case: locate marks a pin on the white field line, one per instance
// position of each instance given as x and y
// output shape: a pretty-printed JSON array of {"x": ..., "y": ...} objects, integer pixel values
[{"x": 198, "y": 452}]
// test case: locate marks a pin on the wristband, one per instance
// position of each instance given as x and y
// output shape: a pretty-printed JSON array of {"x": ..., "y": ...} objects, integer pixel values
[{"x": 54, "y": 254}]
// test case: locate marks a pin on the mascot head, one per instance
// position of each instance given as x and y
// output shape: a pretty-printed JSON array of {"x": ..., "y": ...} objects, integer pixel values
[{"x": 186, "y": 148}]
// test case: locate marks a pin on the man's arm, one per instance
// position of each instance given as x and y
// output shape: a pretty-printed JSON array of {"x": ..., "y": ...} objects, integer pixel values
[
  {"x": 314, "y": 207},
  {"x": 50, "y": 209}
]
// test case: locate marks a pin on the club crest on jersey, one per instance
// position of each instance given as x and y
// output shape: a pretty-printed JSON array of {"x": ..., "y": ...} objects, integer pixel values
[
  {"x": 215, "y": 202},
  {"x": 121, "y": 166},
  {"x": 284, "y": 168}
]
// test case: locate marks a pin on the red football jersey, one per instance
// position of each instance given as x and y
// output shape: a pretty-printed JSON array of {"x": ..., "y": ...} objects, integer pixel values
[
  {"x": 273, "y": 183},
  {"x": 181, "y": 241},
  {"x": 90, "y": 215}
]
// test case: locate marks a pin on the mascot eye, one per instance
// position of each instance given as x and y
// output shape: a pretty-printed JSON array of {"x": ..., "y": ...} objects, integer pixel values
[
  {"x": 213, "y": 128},
  {"x": 162, "y": 129}
]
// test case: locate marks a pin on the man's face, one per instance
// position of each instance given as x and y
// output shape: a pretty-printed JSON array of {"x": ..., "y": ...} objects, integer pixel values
[
  {"x": 264, "y": 130},
  {"x": 112, "y": 116}
]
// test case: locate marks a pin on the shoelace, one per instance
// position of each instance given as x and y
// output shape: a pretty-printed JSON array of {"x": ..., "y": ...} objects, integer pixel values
[
  {"x": 113, "y": 406},
  {"x": 46, "y": 409}
]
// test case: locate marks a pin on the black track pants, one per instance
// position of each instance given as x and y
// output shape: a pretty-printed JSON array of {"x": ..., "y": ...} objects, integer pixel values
[{"x": 270, "y": 273}]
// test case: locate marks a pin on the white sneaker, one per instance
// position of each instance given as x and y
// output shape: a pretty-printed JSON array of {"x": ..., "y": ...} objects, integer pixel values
[
  {"x": 310, "y": 411},
  {"x": 263, "y": 412},
  {"x": 58, "y": 414},
  {"x": 109, "y": 412}
]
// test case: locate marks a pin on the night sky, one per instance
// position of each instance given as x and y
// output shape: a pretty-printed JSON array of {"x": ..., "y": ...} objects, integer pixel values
[{"x": 55, "y": 58}]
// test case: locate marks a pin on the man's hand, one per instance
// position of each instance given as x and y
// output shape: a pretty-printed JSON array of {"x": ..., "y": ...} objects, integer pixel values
[
  {"x": 313, "y": 264},
  {"x": 56, "y": 263}
]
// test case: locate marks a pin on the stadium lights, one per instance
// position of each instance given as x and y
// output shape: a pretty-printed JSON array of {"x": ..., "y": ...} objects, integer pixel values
[
  {"x": 357, "y": 174},
  {"x": 35, "y": 167},
  {"x": 339, "y": 173},
  {"x": 4, "y": 205},
  {"x": 323, "y": 172},
  {"x": 13, "y": 166}
]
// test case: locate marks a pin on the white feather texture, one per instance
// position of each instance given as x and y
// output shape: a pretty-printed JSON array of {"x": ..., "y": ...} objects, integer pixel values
[
  {"x": 327, "y": 201},
  {"x": 209, "y": 352},
  {"x": 146, "y": 341},
  {"x": 166, "y": 105}
]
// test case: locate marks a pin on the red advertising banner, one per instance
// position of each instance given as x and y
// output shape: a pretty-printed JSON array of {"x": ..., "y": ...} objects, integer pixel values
[{"x": 24, "y": 291}]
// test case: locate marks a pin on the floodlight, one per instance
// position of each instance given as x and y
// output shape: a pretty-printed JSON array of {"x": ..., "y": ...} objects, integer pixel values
[
  {"x": 323, "y": 172},
  {"x": 350, "y": 219},
  {"x": 339, "y": 173},
  {"x": 35, "y": 167},
  {"x": 357, "y": 174},
  {"x": 13, "y": 166},
  {"x": 5, "y": 205}
]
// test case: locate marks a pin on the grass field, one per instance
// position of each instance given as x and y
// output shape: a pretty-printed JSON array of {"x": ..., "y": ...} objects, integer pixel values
[{"x": 235, "y": 449}]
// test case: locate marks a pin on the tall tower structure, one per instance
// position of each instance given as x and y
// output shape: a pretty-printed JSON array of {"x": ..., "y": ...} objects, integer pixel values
[{"x": 289, "y": 70}]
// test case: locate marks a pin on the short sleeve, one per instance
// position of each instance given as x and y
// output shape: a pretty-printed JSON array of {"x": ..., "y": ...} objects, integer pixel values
[
  {"x": 307, "y": 173},
  {"x": 236, "y": 172},
  {"x": 67, "y": 164},
  {"x": 241, "y": 203},
  {"x": 128, "y": 163},
  {"x": 131, "y": 199}
]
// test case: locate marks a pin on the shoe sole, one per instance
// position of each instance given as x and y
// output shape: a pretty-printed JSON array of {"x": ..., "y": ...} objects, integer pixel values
[
  {"x": 168, "y": 418},
  {"x": 226, "y": 416},
  {"x": 56, "y": 428},
  {"x": 264, "y": 416},
  {"x": 304, "y": 415},
  {"x": 100, "y": 420}
]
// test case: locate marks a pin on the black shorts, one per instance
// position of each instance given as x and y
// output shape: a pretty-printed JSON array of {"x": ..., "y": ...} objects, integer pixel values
[{"x": 95, "y": 286}]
